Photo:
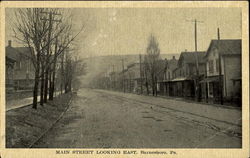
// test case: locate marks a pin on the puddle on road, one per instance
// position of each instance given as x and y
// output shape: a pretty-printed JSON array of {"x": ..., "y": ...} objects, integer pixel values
[
  {"x": 148, "y": 117},
  {"x": 158, "y": 120},
  {"x": 152, "y": 117}
]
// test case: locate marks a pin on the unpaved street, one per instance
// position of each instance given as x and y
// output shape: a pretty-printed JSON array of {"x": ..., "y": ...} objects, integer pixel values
[{"x": 105, "y": 119}]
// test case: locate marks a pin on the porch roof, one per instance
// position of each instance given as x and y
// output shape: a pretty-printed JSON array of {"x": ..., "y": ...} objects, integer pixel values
[
  {"x": 180, "y": 79},
  {"x": 211, "y": 79}
]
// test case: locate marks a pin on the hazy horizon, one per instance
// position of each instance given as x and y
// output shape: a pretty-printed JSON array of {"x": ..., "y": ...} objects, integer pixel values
[{"x": 121, "y": 31}]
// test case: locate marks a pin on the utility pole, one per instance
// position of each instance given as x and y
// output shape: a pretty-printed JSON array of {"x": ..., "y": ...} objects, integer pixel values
[
  {"x": 140, "y": 73},
  {"x": 220, "y": 73},
  {"x": 113, "y": 68},
  {"x": 46, "y": 68},
  {"x": 197, "y": 85},
  {"x": 123, "y": 80}
]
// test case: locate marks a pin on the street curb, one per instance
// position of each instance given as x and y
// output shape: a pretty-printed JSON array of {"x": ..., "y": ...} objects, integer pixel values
[{"x": 52, "y": 125}]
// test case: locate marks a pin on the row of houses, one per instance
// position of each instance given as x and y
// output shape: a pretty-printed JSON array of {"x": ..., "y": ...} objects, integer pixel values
[{"x": 218, "y": 74}]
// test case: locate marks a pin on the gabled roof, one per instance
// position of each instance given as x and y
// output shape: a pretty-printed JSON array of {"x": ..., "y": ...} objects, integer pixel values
[
  {"x": 190, "y": 57},
  {"x": 226, "y": 46},
  {"x": 15, "y": 52}
]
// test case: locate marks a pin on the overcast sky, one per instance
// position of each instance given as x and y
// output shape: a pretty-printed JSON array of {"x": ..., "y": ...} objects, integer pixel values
[{"x": 126, "y": 31}]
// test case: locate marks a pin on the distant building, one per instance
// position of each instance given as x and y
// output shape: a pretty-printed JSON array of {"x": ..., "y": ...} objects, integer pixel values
[
  {"x": 132, "y": 77},
  {"x": 171, "y": 65},
  {"x": 160, "y": 73},
  {"x": 230, "y": 52},
  {"x": 23, "y": 76}
]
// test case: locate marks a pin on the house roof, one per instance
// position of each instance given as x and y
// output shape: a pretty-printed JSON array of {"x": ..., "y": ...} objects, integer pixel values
[
  {"x": 9, "y": 59},
  {"x": 15, "y": 52},
  {"x": 226, "y": 46},
  {"x": 190, "y": 57}
]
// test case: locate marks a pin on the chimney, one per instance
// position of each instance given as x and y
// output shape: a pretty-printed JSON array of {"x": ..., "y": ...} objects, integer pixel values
[{"x": 9, "y": 43}]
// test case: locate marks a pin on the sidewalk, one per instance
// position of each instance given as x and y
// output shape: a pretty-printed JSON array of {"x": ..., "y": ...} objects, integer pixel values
[
  {"x": 17, "y": 103},
  {"x": 25, "y": 126}
]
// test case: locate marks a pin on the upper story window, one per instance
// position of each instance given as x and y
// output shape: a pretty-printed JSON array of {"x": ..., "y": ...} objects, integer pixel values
[
  {"x": 18, "y": 65},
  {"x": 211, "y": 66},
  {"x": 217, "y": 65}
]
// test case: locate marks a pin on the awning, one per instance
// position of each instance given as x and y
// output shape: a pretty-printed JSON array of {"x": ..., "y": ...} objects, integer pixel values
[
  {"x": 180, "y": 79},
  {"x": 236, "y": 79},
  {"x": 211, "y": 79}
]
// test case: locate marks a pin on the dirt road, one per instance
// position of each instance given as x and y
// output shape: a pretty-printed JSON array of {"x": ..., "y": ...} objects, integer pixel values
[{"x": 105, "y": 119}]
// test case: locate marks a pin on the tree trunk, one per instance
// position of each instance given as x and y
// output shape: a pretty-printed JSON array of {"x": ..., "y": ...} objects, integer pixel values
[
  {"x": 37, "y": 78},
  {"x": 46, "y": 81},
  {"x": 69, "y": 86},
  {"x": 35, "y": 90},
  {"x": 155, "y": 85},
  {"x": 152, "y": 84},
  {"x": 66, "y": 87},
  {"x": 50, "y": 86},
  {"x": 42, "y": 87},
  {"x": 52, "y": 77}
]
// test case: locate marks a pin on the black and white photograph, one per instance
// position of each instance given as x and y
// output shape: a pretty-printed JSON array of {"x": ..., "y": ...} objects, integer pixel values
[{"x": 112, "y": 78}]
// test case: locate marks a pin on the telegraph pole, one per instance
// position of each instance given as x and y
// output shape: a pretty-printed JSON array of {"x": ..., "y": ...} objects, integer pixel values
[
  {"x": 45, "y": 68},
  {"x": 197, "y": 85},
  {"x": 123, "y": 80},
  {"x": 220, "y": 73},
  {"x": 113, "y": 67},
  {"x": 140, "y": 73}
]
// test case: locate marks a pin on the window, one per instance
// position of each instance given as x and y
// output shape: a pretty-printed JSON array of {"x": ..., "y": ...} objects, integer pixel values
[
  {"x": 191, "y": 70},
  {"x": 217, "y": 65},
  {"x": 211, "y": 66},
  {"x": 211, "y": 92}
]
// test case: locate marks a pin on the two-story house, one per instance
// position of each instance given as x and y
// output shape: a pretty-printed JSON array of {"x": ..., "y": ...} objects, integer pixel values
[
  {"x": 23, "y": 76},
  {"x": 229, "y": 53},
  {"x": 186, "y": 74}
]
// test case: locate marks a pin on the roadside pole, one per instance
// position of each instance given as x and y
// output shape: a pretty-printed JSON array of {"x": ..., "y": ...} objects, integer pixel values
[
  {"x": 197, "y": 84},
  {"x": 220, "y": 73},
  {"x": 140, "y": 73},
  {"x": 123, "y": 80}
]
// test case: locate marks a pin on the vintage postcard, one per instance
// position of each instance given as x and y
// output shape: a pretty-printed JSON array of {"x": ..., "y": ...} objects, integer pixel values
[{"x": 111, "y": 79}]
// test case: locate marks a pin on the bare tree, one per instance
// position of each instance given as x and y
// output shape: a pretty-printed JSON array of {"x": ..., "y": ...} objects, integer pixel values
[
  {"x": 34, "y": 30},
  {"x": 151, "y": 58}
]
